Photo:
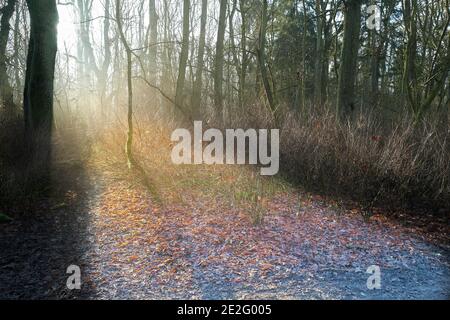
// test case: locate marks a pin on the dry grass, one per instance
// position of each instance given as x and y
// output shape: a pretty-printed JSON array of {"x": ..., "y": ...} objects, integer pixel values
[
  {"x": 403, "y": 165},
  {"x": 238, "y": 186},
  {"x": 372, "y": 162},
  {"x": 379, "y": 164}
]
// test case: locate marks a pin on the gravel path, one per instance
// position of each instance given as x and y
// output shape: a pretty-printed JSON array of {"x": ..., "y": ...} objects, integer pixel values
[{"x": 127, "y": 249}]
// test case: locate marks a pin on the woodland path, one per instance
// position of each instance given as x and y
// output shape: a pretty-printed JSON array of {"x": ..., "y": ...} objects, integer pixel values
[{"x": 128, "y": 249}]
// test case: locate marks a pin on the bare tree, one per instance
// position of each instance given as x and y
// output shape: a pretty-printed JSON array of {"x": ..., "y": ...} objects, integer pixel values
[
  {"x": 219, "y": 58},
  {"x": 349, "y": 58},
  {"x": 129, "y": 53},
  {"x": 153, "y": 30},
  {"x": 318, "y": 72},
  {"x": 197, "y": 92},
  {"x": 184, "y": 55},
  {"x": 5, "y": 86},
  {"x": 261, "y": 56},
  {"x": 38, "y": 95}
]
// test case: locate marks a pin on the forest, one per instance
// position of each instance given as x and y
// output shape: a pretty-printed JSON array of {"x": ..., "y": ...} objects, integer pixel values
[{"x": 349, "y": 98}]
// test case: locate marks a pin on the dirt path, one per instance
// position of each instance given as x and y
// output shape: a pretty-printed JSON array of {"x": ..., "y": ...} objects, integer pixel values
[{"x": 202, "y": 248}]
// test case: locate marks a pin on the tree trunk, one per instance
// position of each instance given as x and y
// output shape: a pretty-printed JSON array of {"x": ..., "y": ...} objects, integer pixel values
[
  {"x": 409, "y": 73},
  {"x": 374, "y": 68},
  {"x": 129, "y": 145},
  {"x": 244, "y": 53},
  {"x": 166, "y": 76},
  {"x": 318, "y": 72},
  {"x": 349, "y": 59},
  {"x": 328, "y": 40},
  {"x": 153, "y": 49},
  {"x": 389, "y": 8},
  {"x": 6, "y": 90},
  {"x": 233, "y": 48},
  {"x": 261, "y": 56},
  {"x": 302, "y": 72},
  {"x": 17, "y": 47},
  {"x": 88, "y": 58},
  {"x": 219, "y": 59},
  {"x": 197, "y": 92},
  {"x": 179, "y": 96},
  {"x": 107, "y": 47},
  {"x": 38, "y": 95}
]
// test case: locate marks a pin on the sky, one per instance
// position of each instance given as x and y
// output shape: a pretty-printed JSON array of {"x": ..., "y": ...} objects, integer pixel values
[{"x": 66, "y": 26}]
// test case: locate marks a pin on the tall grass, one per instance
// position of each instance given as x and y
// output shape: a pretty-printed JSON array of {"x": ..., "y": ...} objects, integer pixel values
[
  {"x": 396, "y": 163},
  {"x": 390, "y": 164}
]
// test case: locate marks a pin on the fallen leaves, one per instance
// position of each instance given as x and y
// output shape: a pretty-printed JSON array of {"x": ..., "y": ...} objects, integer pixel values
[{"x": 204, "y": 238}]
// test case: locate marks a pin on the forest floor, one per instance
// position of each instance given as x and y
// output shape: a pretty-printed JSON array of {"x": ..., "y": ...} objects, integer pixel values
[{"x": 203, "y": 246}]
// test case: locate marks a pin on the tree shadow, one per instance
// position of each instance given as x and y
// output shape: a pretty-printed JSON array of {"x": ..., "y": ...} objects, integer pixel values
[{"x": 49, "y": 233}]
